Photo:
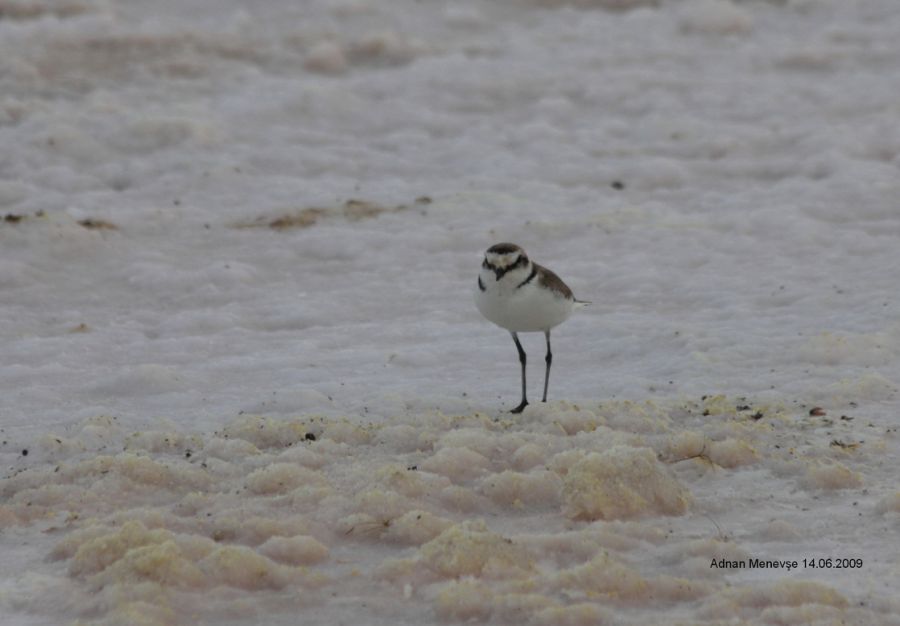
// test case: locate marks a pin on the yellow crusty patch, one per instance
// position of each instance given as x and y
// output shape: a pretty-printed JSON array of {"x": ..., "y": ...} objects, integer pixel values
[
  {"x": 622, "y": 482},
  {"x": 99, "y": 552},
  {"x": 465, "y": 601},
  {"x": 416, "y": 527},
  {"x": 265, "y": 432},
  {"x": 580, "y": 614},
  {"x": 300, "y": 550},
  {"x": 747, "y": 601},
  {"x": 602, "y": 576},
  {"x": 540, "y": 488},
  {"x": 282, "y": 478},
  {"x": 165, "y": 563},
  {"x": 239, "y": 566},
  {"x": 470, "y": 549},
  {"x": 732, "y": 453},
  {"x": 831, "y": 476}
]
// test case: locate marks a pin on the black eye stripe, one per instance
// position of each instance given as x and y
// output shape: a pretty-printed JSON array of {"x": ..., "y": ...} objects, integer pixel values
[
  {"x": 521, "y": 261},
  {"x": 503, "y": 248}
]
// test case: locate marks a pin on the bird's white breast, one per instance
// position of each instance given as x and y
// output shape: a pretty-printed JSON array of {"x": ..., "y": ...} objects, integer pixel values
[{"x": 526, "y": 308}]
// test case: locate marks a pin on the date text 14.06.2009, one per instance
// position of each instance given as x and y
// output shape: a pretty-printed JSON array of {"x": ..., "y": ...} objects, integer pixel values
[{"x": 790, "y": 564}]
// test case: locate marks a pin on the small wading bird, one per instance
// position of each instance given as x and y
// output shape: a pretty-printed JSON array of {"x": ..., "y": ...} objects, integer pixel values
[{"x": 522, "y": 297}]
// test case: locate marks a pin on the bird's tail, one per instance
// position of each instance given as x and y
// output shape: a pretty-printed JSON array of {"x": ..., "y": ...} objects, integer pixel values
[{"x": 582, "y": 303}]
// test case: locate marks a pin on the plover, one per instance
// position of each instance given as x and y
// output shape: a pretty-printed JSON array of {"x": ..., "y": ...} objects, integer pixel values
[{"x": 522, "y": 297}]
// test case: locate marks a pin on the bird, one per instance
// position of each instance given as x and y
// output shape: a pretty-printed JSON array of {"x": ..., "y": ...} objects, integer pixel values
[{"x": 521, "y": 296}]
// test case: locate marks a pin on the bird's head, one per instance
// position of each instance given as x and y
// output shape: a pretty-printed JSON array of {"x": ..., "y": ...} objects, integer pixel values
[{"x": 504, "y": 257}]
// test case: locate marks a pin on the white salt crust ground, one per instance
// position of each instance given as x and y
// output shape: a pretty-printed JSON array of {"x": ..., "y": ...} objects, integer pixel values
[
  {"x": 214, "y": 215},
  {"x": 603, "y": 513}
]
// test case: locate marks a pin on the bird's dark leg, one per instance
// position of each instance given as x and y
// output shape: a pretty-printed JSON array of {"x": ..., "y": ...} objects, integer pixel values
[
  {"x": 524, "y": 402},
  {"x": 549, "y": 360}
]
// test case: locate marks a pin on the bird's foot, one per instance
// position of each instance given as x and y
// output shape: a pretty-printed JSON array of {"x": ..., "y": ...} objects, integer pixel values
[{"x": 521, "y": 407}]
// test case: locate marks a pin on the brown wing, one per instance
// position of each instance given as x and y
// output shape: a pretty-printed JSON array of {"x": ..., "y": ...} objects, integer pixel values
[{"x": 551, "y": 281}]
